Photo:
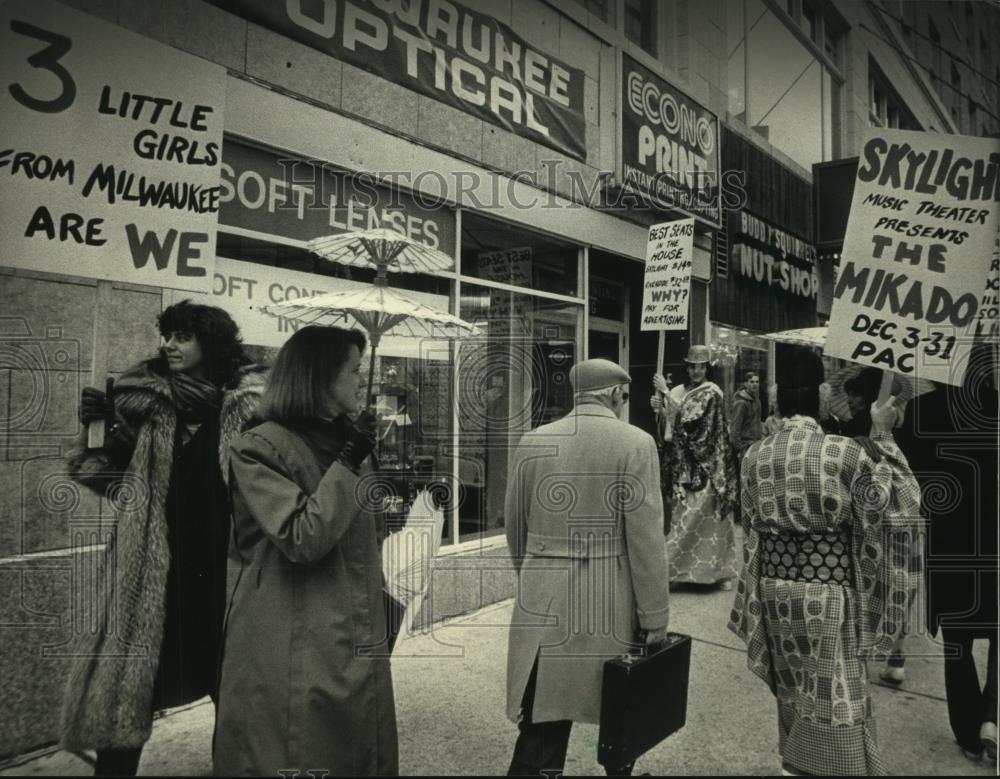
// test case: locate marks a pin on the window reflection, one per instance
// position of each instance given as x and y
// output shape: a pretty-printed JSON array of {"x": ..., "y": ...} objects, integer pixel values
[{"x": 514, "y": 377}]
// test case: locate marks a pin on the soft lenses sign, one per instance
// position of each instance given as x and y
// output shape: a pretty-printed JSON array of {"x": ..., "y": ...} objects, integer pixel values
[
  {"x": 109, "y": 151},
  {"x": 445, "y": 51},
  {"x": 283, "y": 195},
  {"x": 669, "y": 144},
  {"x": 917, "y": 254}
]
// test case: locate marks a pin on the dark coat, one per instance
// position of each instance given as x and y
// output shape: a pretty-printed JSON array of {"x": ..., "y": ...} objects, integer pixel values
[
  {"x": 746, "y": 427},
  {"x": 159, "y": 611},
  {"x": 304, "y": 684},
  {"x": 950, "y": 438}
]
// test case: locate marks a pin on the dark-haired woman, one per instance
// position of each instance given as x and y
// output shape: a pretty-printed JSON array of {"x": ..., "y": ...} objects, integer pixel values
[
  {"x": 305, "y": 676},
  {"x": 160, "y": 607}
]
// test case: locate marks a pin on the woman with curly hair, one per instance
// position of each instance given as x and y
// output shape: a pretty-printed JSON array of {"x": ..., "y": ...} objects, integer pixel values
[
  {"x": 160, "y": 591},
  {"x": 701, "y": 546}
]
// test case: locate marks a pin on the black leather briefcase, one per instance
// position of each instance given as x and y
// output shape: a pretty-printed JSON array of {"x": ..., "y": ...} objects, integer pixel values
[{"x": 643, "y": 700}]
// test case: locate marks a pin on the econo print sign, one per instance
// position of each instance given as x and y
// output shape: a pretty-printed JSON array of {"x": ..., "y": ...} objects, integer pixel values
[{"x": 669, "y": 145}]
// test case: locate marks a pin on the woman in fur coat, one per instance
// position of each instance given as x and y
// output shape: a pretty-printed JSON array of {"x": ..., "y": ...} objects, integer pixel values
[{"x": 159, "y": 598}]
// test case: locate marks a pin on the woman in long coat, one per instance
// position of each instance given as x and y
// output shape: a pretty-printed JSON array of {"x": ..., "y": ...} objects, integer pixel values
[
  {"x": 305, "y": 673},
  {"x": 163, "y": 469},
  {"x": 701, "y": 546}
]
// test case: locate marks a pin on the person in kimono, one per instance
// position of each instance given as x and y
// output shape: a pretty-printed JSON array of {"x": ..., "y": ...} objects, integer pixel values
[
  {"x": 830, "y": 534},
  {"x": 701, "y": 546}
]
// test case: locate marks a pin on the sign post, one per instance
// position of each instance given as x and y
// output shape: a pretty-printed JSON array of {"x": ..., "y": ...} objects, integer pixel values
[{"x": 917, "y": 254}]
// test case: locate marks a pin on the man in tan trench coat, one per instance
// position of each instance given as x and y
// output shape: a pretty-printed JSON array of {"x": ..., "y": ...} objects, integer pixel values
[{"x": 584, "y": 522}]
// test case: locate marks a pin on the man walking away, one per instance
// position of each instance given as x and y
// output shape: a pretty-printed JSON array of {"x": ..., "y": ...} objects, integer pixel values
[{"x": 584, "y": 521}]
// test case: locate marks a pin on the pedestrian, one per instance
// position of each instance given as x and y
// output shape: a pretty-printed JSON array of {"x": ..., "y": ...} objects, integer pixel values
[
  {"x": 861, "y": 391},
  {"x": 820, "y": 591},
  {"x": 746, "y": 427},
  {"x": 701, "y": 546},
  {"x": 163, "y": 467},
  {"x": 584, "y": 527},
  {"x": 305, "y": 681},
  {"x": 950, "y": 437}
]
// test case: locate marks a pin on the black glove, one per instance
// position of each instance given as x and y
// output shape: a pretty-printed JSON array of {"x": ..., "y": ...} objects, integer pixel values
[
  {"x": 360, "y": 440},
  {"x": 95, "y": 406}
]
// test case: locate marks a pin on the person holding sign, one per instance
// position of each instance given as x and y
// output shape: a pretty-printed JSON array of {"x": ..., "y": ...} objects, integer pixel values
[
  {"x": 950, "y": 438},
  {"x": 828, "y": 566},
  {"x": 163, "y": 468},
  {"x": 701, "y": 546},
  {"x": 305, "y": 682}
]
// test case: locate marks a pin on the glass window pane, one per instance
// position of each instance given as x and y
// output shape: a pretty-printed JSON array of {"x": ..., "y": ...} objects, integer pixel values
[
  {"x": 785, "y": 99},
  {"x": 514, "y": 377},
  {"x": 496, "y": 251},
  {"x": 736, "y": 52}
]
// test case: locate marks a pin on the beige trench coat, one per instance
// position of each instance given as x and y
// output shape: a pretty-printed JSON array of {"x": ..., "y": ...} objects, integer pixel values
[
  {"x": 299, "y": 690},
  {"x": 584, "y": 521}
]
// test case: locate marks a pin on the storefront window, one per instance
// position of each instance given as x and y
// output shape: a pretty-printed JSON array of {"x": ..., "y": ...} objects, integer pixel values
[
  {"x": 733, "y": 353},
  {"x": 513, "y": 378},
  {"x": 498, "y": 252}
]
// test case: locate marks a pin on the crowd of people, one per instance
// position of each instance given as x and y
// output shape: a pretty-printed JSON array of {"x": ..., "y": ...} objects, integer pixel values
[{"x": 215, "y": 466}]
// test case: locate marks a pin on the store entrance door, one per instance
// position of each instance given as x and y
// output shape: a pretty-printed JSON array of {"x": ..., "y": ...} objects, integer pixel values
[{"x": 606, "y": 339}]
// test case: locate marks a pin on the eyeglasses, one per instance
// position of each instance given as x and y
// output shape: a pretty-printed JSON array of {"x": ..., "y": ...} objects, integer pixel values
[{"x": 624, "y": 397}]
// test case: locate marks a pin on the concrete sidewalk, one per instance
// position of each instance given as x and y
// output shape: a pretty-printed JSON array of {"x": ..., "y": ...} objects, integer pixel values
[{"x": 450, "y": 693}]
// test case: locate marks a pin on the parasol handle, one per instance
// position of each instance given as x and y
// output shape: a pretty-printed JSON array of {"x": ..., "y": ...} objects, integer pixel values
[{"x": 371, "y": 371}]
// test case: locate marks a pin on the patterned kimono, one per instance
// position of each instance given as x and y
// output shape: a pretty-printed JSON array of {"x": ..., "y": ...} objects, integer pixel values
[
  {"x": 701, "y": 546},
  {"x": 830, "y": 557}
]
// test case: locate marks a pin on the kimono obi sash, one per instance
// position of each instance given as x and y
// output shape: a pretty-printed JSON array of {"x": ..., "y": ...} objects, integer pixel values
[{"x": 817, "y": 558}]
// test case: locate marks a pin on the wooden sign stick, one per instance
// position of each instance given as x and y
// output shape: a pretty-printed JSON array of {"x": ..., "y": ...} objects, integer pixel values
[{"x": 101, "y": 351}]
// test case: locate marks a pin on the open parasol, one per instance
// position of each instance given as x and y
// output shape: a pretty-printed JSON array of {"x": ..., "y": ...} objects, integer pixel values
[
  {"x": 804, "y": 336},
  {"x": 380, "y": 310},
  {"x": 379, "y": 249}
]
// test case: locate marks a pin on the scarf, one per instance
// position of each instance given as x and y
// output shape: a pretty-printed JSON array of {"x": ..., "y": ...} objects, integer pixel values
[{"x": 196, "y": 400}]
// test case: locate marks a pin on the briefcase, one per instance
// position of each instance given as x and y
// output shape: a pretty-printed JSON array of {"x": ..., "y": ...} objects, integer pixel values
[{"x": 643, "y": 700}]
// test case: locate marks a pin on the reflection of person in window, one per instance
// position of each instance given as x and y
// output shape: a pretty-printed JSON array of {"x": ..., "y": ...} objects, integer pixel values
[{"x": 702, "y": 544}]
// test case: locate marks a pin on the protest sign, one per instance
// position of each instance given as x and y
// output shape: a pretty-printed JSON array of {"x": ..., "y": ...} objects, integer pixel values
[
  {"x": 667, "y": 280},
  {"x": 243, "y": 288},
  {"x": 917, "y": 253},
  {"x": 988, "y": 321},
  {"x": 109, "y": 151}
]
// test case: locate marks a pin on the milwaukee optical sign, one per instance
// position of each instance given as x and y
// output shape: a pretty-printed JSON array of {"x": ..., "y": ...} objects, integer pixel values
[{"x": 444, "y": 51}]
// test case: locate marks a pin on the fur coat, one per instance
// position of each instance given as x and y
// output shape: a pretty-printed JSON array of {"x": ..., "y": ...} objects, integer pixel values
[{"x": 108, "y": 701}]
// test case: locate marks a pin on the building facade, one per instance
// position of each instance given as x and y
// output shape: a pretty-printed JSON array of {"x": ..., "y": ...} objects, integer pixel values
[{"x": 526, "y": 139}]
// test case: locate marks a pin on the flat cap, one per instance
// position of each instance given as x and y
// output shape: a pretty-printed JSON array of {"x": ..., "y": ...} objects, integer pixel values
[{"x": 591, "y": 375}]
